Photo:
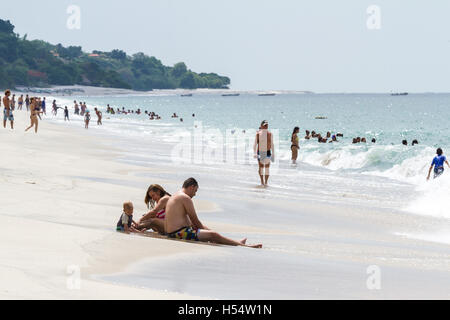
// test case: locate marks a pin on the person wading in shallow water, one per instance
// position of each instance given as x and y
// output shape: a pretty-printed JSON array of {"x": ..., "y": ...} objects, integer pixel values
[
  {"x": 438, "y": 164},
  {"x": 264, "y": 151}
]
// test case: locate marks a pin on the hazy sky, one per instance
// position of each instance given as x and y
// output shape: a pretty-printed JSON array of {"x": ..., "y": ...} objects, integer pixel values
[{"x": 321, "y": 46}]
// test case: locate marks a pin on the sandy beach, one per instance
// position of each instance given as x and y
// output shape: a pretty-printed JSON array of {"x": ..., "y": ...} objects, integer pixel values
[{"x": 62, "y": 194}]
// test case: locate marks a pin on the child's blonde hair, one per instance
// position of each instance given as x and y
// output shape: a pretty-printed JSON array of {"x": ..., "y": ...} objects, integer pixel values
[{"x": 128, "y": 205}]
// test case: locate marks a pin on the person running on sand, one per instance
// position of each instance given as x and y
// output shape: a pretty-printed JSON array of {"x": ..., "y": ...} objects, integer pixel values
[
  {"x": 156, "y": 198},
  {"x": 126, "y": 223},
  {"x": 295, "y": 145},
  {"x": 182, "y": 221},
  {"x": 87, "y": 118},
  {"x": 438, "y": 164},
  {"x": 99, "y": 117},
  {"x": 35, "y": 111},
  {"x": 263, "y": 150},
  {"x": 7, "y": 112}
]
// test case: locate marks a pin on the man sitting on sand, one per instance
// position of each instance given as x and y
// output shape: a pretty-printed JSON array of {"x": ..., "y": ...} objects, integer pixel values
[{"x": 182, "y": 221}]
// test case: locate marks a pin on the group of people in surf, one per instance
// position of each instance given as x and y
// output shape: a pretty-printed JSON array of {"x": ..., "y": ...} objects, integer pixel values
[{"x": 173, "y": 216}]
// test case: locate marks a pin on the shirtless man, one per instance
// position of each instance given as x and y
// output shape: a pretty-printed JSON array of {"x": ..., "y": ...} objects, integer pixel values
[
  {"x": 182, "y": 221},
  {"x": 263, "y": 150},
  {"x": 7, "y": 112},
  {"x": 99, "y": 116}
]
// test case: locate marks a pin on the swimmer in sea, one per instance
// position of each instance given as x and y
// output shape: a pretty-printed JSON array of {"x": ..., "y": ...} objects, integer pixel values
[{"x": 438, "y": 164}]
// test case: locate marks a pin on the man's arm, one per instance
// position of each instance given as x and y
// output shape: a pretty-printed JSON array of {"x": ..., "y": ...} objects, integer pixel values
[
  {"x": 255, "y": 146},
  {"x": 429, "y": 173},
  {"x": 447, "y": 163},
  {"x": 190, "y": 209}
]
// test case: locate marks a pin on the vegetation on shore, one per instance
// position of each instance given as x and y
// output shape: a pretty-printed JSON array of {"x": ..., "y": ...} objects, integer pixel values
[{"x": 39, "y": 64}]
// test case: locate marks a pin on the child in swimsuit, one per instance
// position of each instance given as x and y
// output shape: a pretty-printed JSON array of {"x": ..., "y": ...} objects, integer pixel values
[{"x": 126, "y": 223}]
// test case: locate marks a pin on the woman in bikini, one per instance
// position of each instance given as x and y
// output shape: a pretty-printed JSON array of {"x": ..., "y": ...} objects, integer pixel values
[
  {"x": 295, "y": 146},
  {"x": 35, "y": 111},
  {"x": 156, "y": 198}
]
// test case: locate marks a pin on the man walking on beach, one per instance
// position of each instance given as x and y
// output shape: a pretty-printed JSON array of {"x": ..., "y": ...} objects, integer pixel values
[
  {"x": 7, "y": 112},
  {"x": 182, "y": 221},
  {"x": 264, "y": 151}
]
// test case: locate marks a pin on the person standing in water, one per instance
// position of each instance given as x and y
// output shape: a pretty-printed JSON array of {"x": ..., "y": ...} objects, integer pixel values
[
  {"x": 263, "y": 150},
  {"x": 438, "y": 164},
  {"x": 87, "y": 118},
  {"x": 66, "y": 114},
  {"x": 99, "y": 117},
  {"x": 295, "y": 145}
]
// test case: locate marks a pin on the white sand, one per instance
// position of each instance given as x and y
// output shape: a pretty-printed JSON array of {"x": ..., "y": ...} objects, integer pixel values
[{"x": 52, "y": 220}]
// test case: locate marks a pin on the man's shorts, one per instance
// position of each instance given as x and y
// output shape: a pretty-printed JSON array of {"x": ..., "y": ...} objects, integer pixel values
[
  {"x": 438, "y": 172},
  {"x": 10, "y": 117},
  {"x": 186, "y": 233}
]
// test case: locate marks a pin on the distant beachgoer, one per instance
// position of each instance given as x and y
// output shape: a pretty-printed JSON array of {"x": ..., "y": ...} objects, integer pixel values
[
  {"x": 66, "y": 114},
  {"x": 54, "y": 108},
  {"x": 339, "y": 135},
  {"x": 20, "y": 102},
  {"x": 13, "y": 102},
  {"x": 35, "y": 111},
  {"x": 363, "y": 140},
  {"x": 438, "y": 164},
  {"x": 405, "y": 142},
  {"x": 415, "y": 142},
  {"x": 156, "y": 198},
  {"x": 183, "y": 223},
  {"x": 7, "y": 112},
  {"x": 308, "y": 135},
  {"x": 264, "y": 151},
  {"x": 355, "y": 141},
  {"x": 333, "y": 139},
  {"x": 44, "y": 111},
  {"x": 374, "y": 140},
  {"x": 193, "y": 115},
  {"x": 99, "y": 116},
  {"x": 314, "y": 134},
  {"x": 83, "y": 109},
  {"x": 87, "y": 118},
  {"x": 27, "y": 102},
  {"x": 77, "y": 108},
  {"x": 295, "y": 145},
  {"x": 126, "y": 223}
]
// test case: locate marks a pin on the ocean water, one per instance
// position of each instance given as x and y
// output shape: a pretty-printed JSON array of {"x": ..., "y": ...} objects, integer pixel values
[
  {"x": 215, "y": 146},
  {"x": 387, "y": 172}
]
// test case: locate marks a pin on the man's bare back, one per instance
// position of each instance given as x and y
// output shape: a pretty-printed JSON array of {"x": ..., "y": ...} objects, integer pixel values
[
  {"x": 176, "y": 212},
  {"x": 183, "y": 223}
]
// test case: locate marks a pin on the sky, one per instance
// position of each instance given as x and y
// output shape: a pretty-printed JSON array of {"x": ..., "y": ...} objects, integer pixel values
[{"x": 324, "y": 46}]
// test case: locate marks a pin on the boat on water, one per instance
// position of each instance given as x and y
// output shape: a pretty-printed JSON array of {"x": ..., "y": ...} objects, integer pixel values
[
  {"x": 187, "y": 95},
  {"x": 399, "y": 94},
  {"x": 267, "y": 94},
  {"x": 231, "y": 95}
]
